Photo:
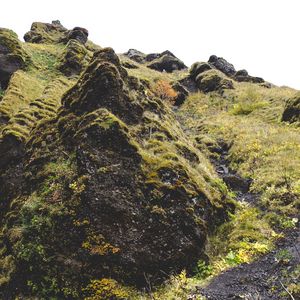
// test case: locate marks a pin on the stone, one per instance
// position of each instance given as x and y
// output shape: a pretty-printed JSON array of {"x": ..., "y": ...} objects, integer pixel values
[
  {"x": 153, "y": 56},
  {"x": 248, "y": 78},
  {"x": 182, "y": 93},
  {"x": 75, "y": 58},
  {"x": 8, "y": 65},
  {"x": 167, "y": 63},
  {"x": 46, "y": 33},
  {"x": 242, "y": 73},
  {"x": 78, "y": 33},
  {"x": 291, "y": 112},
  {"x": 135, "y": 55},
  {"x": 12, "y": 56},
  {"x": 198, "y": 68},
  {"x": 213, "y": 80},
  {"x": 222, "y": 64}
]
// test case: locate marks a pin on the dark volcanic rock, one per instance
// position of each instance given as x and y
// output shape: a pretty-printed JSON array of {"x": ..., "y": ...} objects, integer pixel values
[
  {"x": 12, "y": 56},
  {"x": 222, "y": 64},
  {"x": 242, "y": 73},
  {"x": 248, "y": 78},
  {"x": 153, "y": 56},
  {"x": 78, "y": 33},
  {"x": 135, "y": 55},
  {"x": 8, "y": 65},
  {"x": 167, "y": 63},
  {"x": 182, "y": 93},
  {"x": 291, "y": 111},
  {"x": 198, "y": 68}
]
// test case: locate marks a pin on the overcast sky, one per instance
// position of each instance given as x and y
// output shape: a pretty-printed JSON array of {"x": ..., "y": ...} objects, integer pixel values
[{"x": 262, "y": 36}]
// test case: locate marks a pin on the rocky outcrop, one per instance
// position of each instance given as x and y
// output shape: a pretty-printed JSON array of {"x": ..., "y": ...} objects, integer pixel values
[
  {"x": 136, "y": 55},
  {"x": 55, "y": 33},
  {"x": 182, "y": 93},
  {"x": 78, "y": 33},
  {"x": 12, "y": 56},
  {"x": 213, "y": 80},
  {"x": 167, "y": 63},
  {"x": 46, "y": 33},
  {"x": 75, "y": 58},
  {"x": 222, "y": 64},
  {"x": 113, "y": 193},
  {"x": 198, "y": 68},
  {"x": 291, "y": 111}
]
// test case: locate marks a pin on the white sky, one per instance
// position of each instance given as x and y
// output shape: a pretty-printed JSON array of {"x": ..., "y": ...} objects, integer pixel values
[{"x": 262, "y": 36}]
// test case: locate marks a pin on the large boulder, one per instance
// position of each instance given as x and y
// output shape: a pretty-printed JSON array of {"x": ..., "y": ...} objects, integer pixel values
[
  {"x": 213, "y": 80},
  {"x": 198, "y": 68},
  {"x": 182, "y": 93},
  {"x": 78, "y": 33},
  {"x": 75, "y": 57},
  {"x": 12, "y": 56},
  {"x": 135, "y": 55},
  {"x": 46, "y": 33},
  {"x": 153, "y": 56},
  {"x": 222, "y": 64},
  {"x": 167, "y": 63},
  {"x": 291, "y": 111}
]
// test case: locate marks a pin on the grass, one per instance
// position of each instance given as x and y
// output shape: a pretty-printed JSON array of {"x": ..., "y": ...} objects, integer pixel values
[
  {"x": 262, "y": 148},
  {"x": 145, "y": 73}
]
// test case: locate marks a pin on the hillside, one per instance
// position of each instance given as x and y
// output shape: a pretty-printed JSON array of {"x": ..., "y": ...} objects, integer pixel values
[{"x": 132, "y": 176}]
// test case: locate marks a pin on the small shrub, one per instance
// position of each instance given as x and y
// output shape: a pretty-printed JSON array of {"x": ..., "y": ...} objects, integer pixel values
[
  {"x": 164, "y": 91},
  {"x": 203, "y": 270}
]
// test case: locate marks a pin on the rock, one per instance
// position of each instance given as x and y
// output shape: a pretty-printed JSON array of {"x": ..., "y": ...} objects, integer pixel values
[
  {"x": 222, "y": 64},
  {"x": 75, "y": 58},
  {"x": 167, "y": 63},
  {"x": 153, "y": 56},
  {"x": 189, "y": 84},
  {"x": 242, "y": 73},
  {"x": 12, "y": 56},
  {"x": 236, "y": 182},
  {"x": 135, "y": 55},
  {"x": 182, "y": 93},
  {"x": 8, "y": 65},
  {"x": 213, "y": 80},
  {"x": 78, "y": 33},
  {"x": 248, "y": 78},
  {"x": 46, "y": 33},
  {"x": 291, "y": 112},
  {"x": 198, "y": 68}
]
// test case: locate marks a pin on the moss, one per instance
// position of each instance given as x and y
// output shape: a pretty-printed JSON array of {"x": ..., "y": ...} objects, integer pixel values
[
  {"x": 11, "y": 44},
  {"x": 213, "y": 80},
  {"x": 75, "y": 58}
]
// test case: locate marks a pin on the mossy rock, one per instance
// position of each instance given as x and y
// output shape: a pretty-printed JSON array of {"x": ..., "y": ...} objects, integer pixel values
[
  {"x": 107, "y": 187},
  {"x": 291, "y": 111},
  {"x": 213, "y": 80},
  {"x": 198, "y": 68},
  {"x": 12, "y": 56},
  {"x": 74, "y": 59},
  {"x": 167, "y": 63},
  {"x": 46, "y": 33}
]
